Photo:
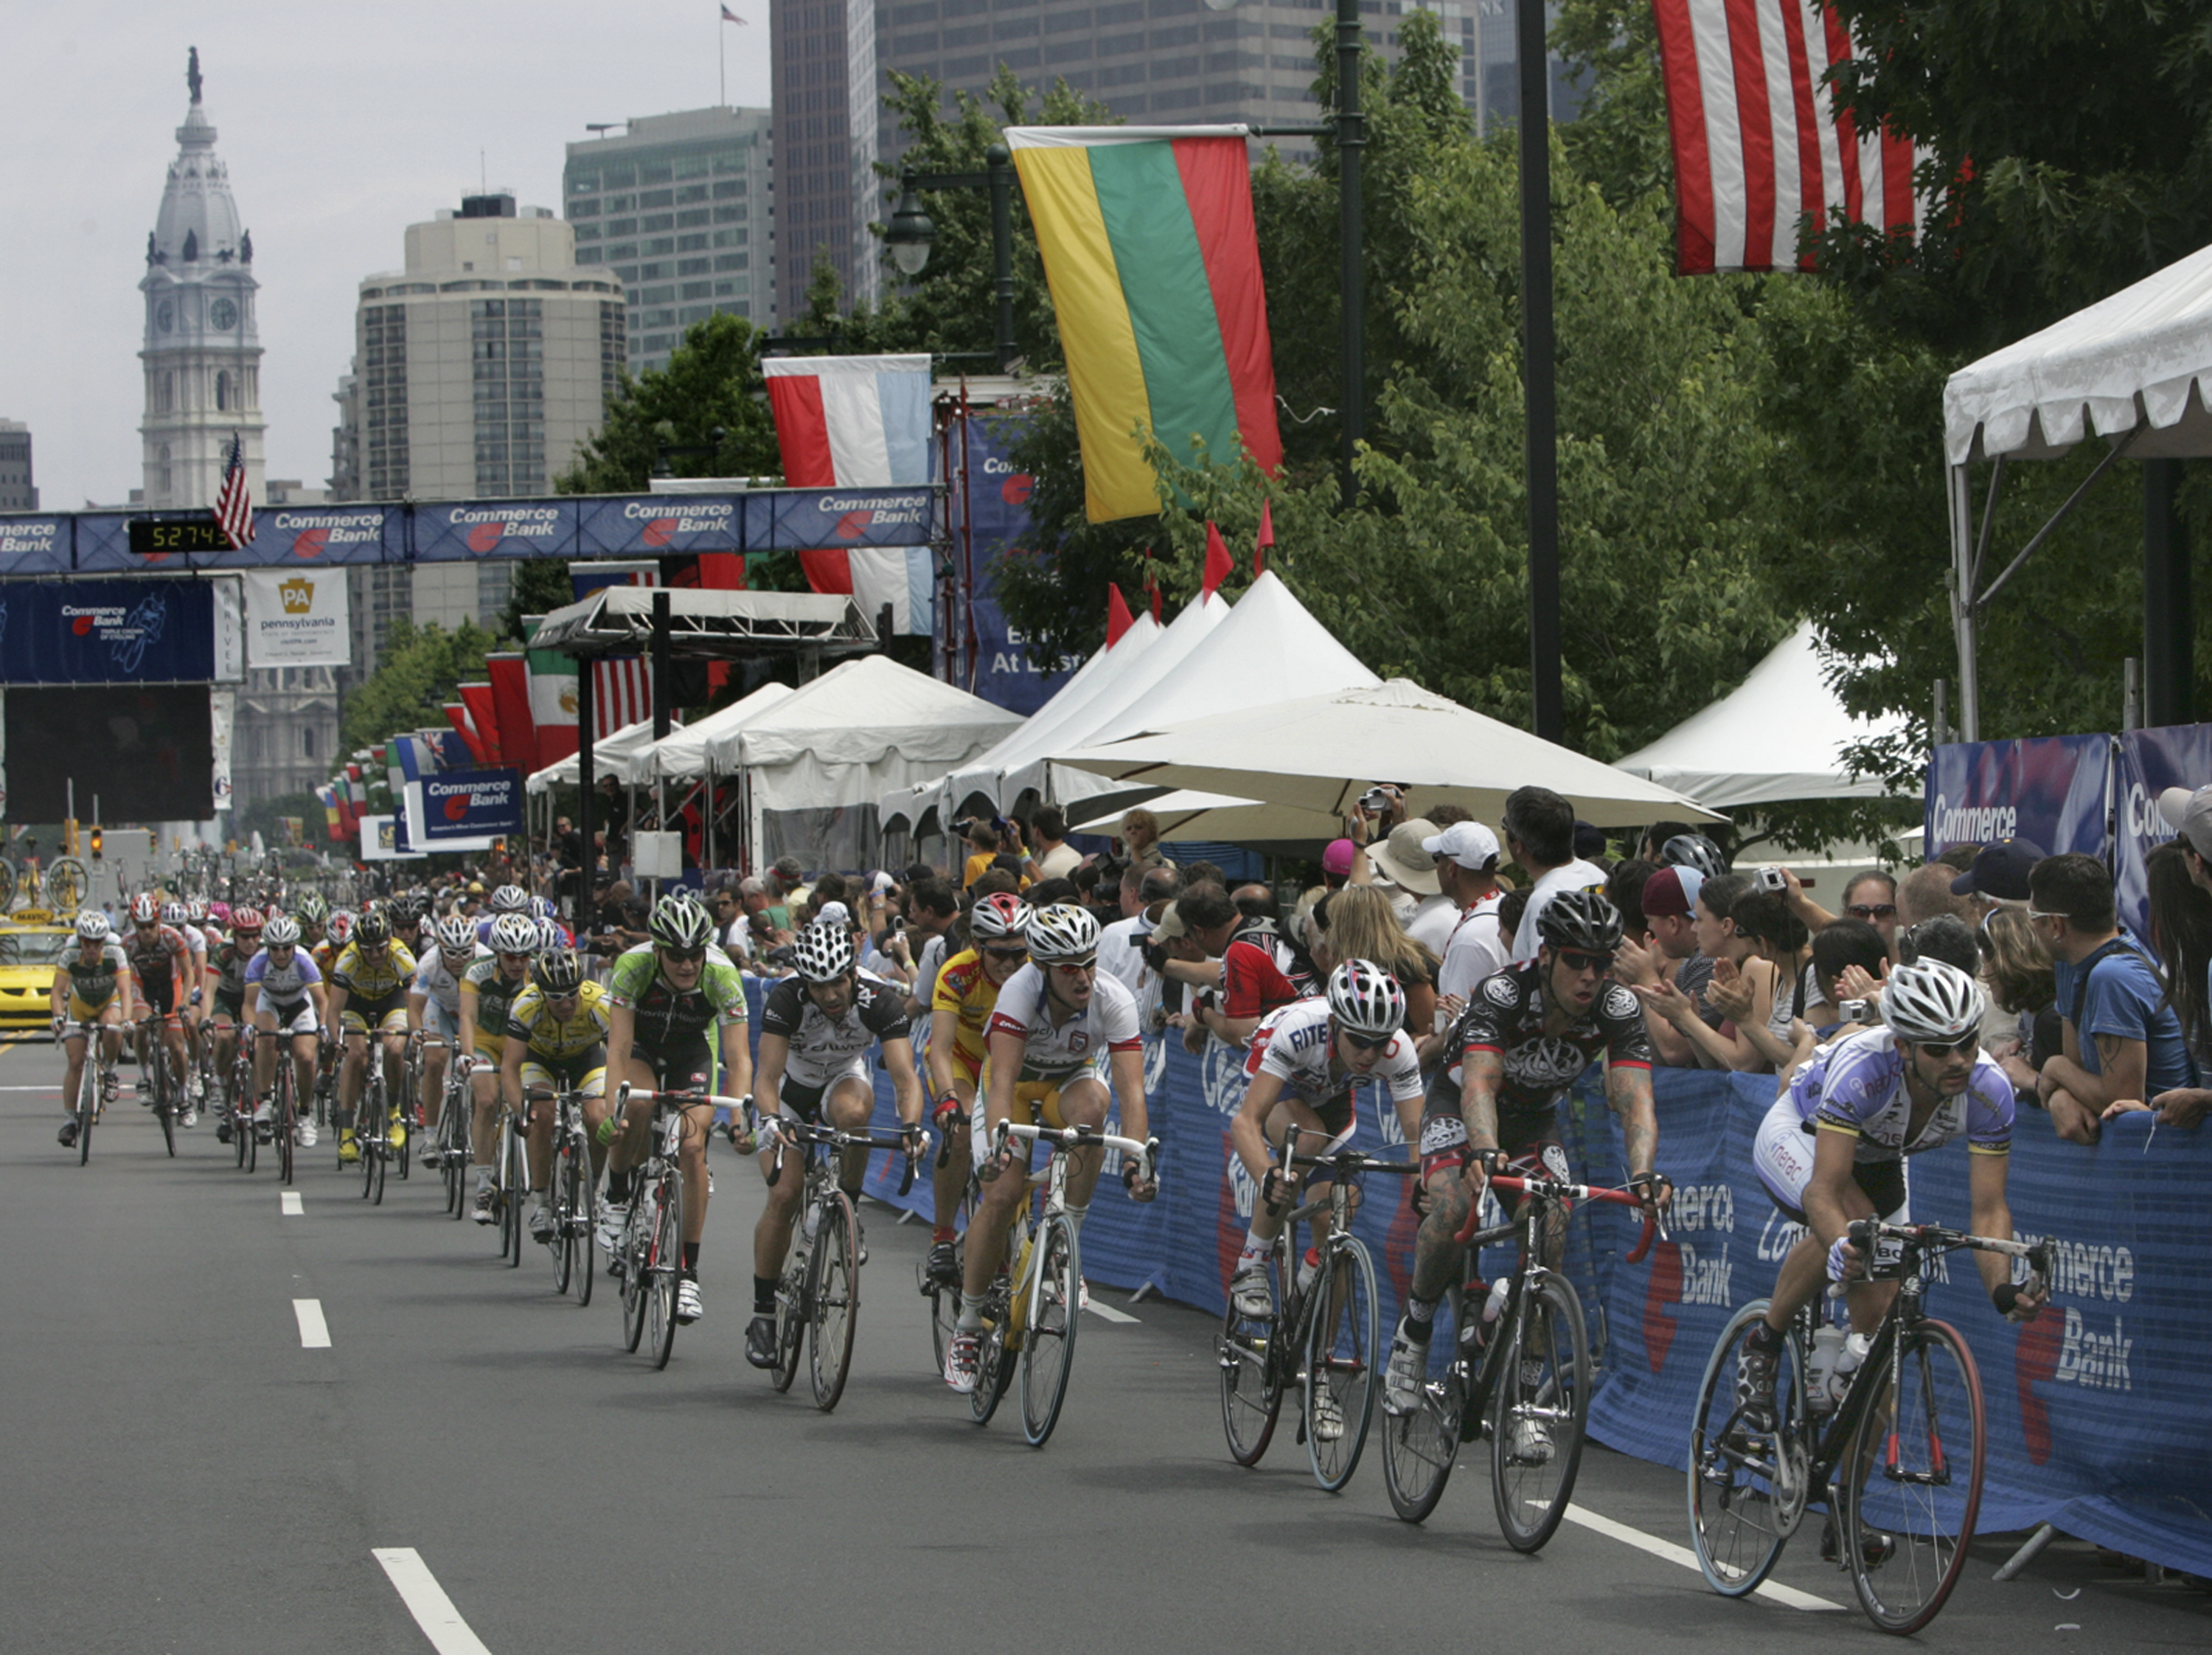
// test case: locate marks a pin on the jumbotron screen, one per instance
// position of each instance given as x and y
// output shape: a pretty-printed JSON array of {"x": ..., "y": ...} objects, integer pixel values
[{"x": 148, "y": 754}]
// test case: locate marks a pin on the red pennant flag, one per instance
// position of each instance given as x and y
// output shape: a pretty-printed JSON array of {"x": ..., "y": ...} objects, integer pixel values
[
  {"x": 457, "y": 716},
  {"x": 1219, "y": 566},
  {"x": 1118, "y": 618},
  {"x": 477, "y": 697},
  {"x": 1266, "y": 538},
  {"x": 1152, "y": 585}
]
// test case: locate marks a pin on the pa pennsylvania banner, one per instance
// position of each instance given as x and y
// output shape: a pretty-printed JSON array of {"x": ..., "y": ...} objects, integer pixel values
[
  {"x": 1153, "y": 260},
  {"x": 297, "y": 620}
]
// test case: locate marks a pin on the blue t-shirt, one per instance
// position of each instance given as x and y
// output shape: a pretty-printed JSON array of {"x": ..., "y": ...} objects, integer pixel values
[{"x": 2125, "y": 999}]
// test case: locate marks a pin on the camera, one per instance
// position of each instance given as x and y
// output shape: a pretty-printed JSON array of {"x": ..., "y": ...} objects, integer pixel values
[
  {"x": 1375, "y": 801},
  {"x": 1855, "y": 1011},
  {"x": 1771, "y": 878}
]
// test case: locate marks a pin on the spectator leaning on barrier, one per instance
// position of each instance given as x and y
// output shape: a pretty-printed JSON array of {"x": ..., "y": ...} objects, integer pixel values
[
  {"x": 1255, "y": 967},
  {"x": 1624, "y": 888},
  {"x": 1539, "y": 834},
  {"x": 2017, "y": 974},
  {"x": 1670, "y": 899},
  {"x": 2123, "y": 1041},
  {"x": 2181, "y": 931},
  {"x": 1872, "y": 897},
  {"x": 930, "y": 910},
  {"x": 1121, "y": 946},
  {"x": 1839, "y": 948},
  {"x": 1361, "y": 926}
]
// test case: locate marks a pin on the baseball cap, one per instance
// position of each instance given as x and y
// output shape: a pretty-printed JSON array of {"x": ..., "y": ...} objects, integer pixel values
[
  {"x": 1590, "y": 841},
  {"x": 1171, "y": 928},
  {"x": 2189, "y": 814},
  {"x": 1468, "y": 843},
  {"x": 1337, "y": 860},
  {"x": 2001, "y": 869},
  {"x": 1671, "y": 891},
  {"x": 1401, "y": 859},
  {"x": 835, "y": 913}
]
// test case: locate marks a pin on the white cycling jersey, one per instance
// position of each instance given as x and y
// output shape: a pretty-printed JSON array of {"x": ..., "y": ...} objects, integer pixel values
[
  {"x": 441, "y": 985},
  {"x": 1062, "y": 1050},
  {"x": 1293, "y": 1044}
]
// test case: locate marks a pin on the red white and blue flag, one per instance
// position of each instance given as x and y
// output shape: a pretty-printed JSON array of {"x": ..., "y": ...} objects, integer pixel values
[
  {"x": 622, "y": 685},
  {"x": 859, "y": 423},
  {"x": 1758, "y": 141},
  {"x": 233, "y": 501},
  {"x": 729, "y": 16}
]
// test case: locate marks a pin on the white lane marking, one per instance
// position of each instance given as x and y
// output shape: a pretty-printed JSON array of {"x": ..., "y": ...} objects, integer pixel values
[
  {"x": 1688, "y": 1559},
  {"x": 290, "y": 1201},
  {"x": 427, "y": 1602},
  {"x": 314, "y": 1332},
  {"x": 1107, "y": 1312},
  {"x": 55, "y": 1089}
]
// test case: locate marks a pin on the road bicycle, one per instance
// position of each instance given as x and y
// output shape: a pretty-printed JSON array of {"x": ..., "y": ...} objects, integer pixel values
[
  {"x": 1511, "y": 1363},
  {"x": 575, "y": 1202},
  {"x": 450, "y": 1147},
  {"x": 1029, "y": 1313},
  {"x": 1325, "y": 1332},
  {"x": 944, "y": 1296},
  {"x": 1897, "y": 1461},
  {"x": 818, "y": 1292},
  {"x": 238, "y": 1107},
  {"x": 510, "y": 1182},
  {"x": 95, "y": 1082},
  {"x": 379, "y": 1137},
  {"x": 649, "y": 1256},
  {"x": 165, "y": 1087}
]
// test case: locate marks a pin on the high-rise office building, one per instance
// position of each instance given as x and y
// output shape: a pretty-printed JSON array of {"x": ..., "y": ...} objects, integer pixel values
[
  {"x": 1156, "y": 63},
  {"x": 19, "y": 490},
  {"x": 683, "y": 208},
  {"x": 478, "y": 368}
]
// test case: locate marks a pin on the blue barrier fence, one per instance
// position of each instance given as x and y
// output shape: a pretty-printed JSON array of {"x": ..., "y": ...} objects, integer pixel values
[{"x": 2095, "y": 1413}]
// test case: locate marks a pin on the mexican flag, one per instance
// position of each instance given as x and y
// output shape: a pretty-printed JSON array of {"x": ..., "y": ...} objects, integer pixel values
[
  {"x": 1153, "y": 261},
  {"x": 552, "y": 697}
]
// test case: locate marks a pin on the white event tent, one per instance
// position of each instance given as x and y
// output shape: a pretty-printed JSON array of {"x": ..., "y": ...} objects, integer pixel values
[
  {"x": 1779, "y": 735},
  {"x": 683, "y": 753},
  {"x": 610, "y": 754}
]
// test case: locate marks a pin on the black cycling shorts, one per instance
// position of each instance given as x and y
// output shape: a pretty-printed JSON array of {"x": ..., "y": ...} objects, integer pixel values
[
  {"x": 1530, "y": 1143},
  {"x": 160, "y": 993},
  {"x": 687, "y": 1066},
  {"x": 1883, "y": 1182}
]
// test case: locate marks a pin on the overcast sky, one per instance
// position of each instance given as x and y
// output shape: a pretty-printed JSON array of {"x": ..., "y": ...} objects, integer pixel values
[{"x": 340, "y": 125}]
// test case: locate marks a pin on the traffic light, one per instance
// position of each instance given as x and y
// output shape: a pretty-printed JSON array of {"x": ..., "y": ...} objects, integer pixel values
[{"x": 96, "y": 839}]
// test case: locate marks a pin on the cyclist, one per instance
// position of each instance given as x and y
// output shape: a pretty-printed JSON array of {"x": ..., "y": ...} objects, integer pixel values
[
  {"x": 91, "y": 985},
  {"x": 313, "y": 914},
  {"x": 286, "y": 991},
  {"x": 1059, "y": 1034},
  {"x": 967, "y": 989},
  {"x": 540, "y": 910},
  {"x": 490, "y": 989},
  {"x": 816, "y": 1028},
  {"x": 164, "y": 976},
  {"x": 227, "y": 965},
  {"x": 1527, "y": 1033},
  {"x": 507, "y": 899},
  {"x": 1832, "y": 1149},
  {"x": 664, "y": 995},
  {"x": 368, "y": 996},
  {"x": 177, "y": 916},
  {"x": 556, "y": 1032},
  {"x": 433, "y": 1004},
  {"x": 1305, "y": 1058}
]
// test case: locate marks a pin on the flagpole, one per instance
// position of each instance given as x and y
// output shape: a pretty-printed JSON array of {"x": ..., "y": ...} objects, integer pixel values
[{"x": 722, "y": 60}]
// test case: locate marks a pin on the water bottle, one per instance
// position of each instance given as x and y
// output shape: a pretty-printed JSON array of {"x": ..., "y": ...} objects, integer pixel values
[
  {"x": 813, "y": 1222},
  {"x": 1309, "y": 1267},
  {"x": 1827, "y": 1346},
  {"x": 1847, "y": 1363},
  {"x": 1496, "y": 1302}
]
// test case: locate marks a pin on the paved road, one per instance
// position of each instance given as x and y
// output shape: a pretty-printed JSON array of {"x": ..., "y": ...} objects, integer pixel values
[{"x": 183, "y": 1475}]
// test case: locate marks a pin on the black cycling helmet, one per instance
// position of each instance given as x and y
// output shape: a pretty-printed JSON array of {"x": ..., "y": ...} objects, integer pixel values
[
  {"x": 1693, "y": 850},
  {"x": 680, "y": 923},
  {"x": 372, "y": 930},
  {"x": 557, "y": 972},
  {"x": 1580, "y": 919}
]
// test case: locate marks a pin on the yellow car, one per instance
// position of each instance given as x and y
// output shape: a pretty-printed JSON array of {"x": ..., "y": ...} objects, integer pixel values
[{"x": 28, "y": 954}]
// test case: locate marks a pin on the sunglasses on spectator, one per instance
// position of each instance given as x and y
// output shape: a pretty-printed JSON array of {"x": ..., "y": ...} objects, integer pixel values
[
  {"x": 1950, "y": 1048},
  {"x": 1368, "y": 1042},
  {"x": 683, "y": 956},
  {"x": 1575, "y": 959},
  {"x": 2035, "y": 912},
  {"x": 1872, "y": 911},
  {"x": 1007, "y": 953}
]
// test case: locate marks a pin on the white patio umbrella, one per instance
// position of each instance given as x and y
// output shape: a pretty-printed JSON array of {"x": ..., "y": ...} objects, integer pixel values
[{"x": 1319, "y": 753}]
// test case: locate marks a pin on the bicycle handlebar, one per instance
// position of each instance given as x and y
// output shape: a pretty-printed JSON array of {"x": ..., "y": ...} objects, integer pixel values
[
  {"x": 1079, "y": 1137},
  {"x": 1554, "y": 1189},
  {"x": 1863, "y": 1232},
  {"x": 911, "y": 1141}
]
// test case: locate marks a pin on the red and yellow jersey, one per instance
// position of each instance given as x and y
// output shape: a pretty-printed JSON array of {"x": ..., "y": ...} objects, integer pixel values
[{"x": 963, "y": 990}]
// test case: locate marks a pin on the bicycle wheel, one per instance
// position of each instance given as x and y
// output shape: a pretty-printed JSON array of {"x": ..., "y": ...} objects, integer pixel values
[
  {"x": 564, "y": 1239},
  {"x": 791, "y": 1312},
  {"x": 88, "y": 1101},
  {"x": 1049, "y": 1338},
  {"x": 583, "y": 1218},
  {"x": 1909, "y": 1506},
  {"x": 454, "y": 1163},
  {"x": 994, "y": 1367},
  {"x": 1747, "y": 1488},
  {"x": 833, "y": 1300},
  {"x": 513, "y": 1183},
  {"x": 1251, "y": 1372},
  {"x": 636, "y": 1241},
  {"x": 404, "y": 1154},
  {"x": 165, "y": 1103},
  {"x": 1341, "y": 1336},
  {"x": 286, "y": 1116},
  {"x": 1536, "y": 1419},
  {"x": 943, "y": 1302},
  {"x": 1420, "y": 1448},
  {"x": 667, "y": 1264}
]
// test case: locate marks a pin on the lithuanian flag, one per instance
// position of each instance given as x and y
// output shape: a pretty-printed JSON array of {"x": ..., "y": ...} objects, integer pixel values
[{"x": 1154, "y": 266}]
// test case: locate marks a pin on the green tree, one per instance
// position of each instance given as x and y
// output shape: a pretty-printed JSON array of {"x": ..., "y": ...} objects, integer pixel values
[{"x": 414, "y": 679}]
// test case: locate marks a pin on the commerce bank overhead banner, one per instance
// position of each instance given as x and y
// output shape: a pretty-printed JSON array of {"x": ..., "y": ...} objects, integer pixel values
[{"x": 291, "y": 536}]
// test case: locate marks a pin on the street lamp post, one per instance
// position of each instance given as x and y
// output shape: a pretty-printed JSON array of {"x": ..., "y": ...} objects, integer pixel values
[{"x": 910, "y": 234}]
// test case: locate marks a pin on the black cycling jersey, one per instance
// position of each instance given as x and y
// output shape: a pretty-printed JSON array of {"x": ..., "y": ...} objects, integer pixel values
[
  {"x": 1505, "y": 1015},
  {"x": 820, "y": 1049}
]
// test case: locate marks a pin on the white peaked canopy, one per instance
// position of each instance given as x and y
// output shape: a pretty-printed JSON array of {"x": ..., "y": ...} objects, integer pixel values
[
  {"x": 611, "y": 754},
  {"x": 1780, "y": 735},
  {"x": 2144, "y": 355},
  {"x": 1317, "y": 754},
  {"x": 683, "y": 753},
  {"x": 944, "y": 794},
  {"x": 854, "y": 734}
]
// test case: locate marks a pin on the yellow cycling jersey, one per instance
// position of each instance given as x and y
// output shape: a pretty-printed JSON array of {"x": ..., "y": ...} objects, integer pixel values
[
  {"x": 364, "y": 978},
  {"x": 531, "y": 1021},
  {"x": 964, "y": 990}
]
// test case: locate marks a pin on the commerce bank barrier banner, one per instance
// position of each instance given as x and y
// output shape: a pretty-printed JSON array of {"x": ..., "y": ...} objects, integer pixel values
[{"x": 2095, "y": 1415}]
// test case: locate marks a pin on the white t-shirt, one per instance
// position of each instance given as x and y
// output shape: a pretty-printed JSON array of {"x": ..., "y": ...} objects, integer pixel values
[
  {"x": 1121, "y": 954},
  {"x": 1577, "y": 875},
  {"x": 1432, "y": 922},
  {"x": 1060, "y": 862},
  {"x": 1475, "y": 950}
]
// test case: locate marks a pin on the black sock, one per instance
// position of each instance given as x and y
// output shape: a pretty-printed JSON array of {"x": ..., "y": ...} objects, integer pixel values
[
  {"x": 1419, "y": 1332},
  {"x": 691, "y": 1257},
  {"x": 618, "y": 1188},
  {"x": 1765, "y": 1340},
  {"x": 763, "y": 1295}
]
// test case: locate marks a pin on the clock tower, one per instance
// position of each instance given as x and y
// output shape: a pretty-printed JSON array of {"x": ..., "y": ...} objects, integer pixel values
[{"x": 203, "y": 351}]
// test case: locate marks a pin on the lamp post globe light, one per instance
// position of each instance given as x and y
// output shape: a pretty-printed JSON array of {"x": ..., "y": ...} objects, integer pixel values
[{"x": 910, "y": 234}]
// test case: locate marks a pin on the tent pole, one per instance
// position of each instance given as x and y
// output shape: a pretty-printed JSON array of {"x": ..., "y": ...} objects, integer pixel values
[
  {"x": 2169, "y": 615},
  {"x": 1964, "y": 609}
]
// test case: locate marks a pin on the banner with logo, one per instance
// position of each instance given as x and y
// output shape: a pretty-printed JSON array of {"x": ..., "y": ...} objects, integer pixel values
[
  {"x": 2147, "y": 763},
  {"x": 658, "y": 524},
  {"x": 470, "y": 805},
  {"x": 108, "y": 632},
  {"x": 35, "y": 545},
  {"x": 297, "y": 619},
  {"x": 222, "y": 711},
  {"x": 994, "y": 505},
  {"x": 795, "y": 519},
  {"x": 381, "y": 840},
  {"x": 2049, "y": 790},
  {"x": 469, "y": 533}
]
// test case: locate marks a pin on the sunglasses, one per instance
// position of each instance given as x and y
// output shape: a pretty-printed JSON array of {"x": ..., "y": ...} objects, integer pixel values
[
  {"x": 1007, "y": 953},
  {"x": 683, "y": 956},
  {"x": 1368, "y": 1042},
  {"x": 1872, "y": 911},
  {"x": 2035, "y": 912},
  {"x": 1076, "y": 967},
  {"x": 1949, "y": 1048},
  {"x": 1576, "y": 959}
]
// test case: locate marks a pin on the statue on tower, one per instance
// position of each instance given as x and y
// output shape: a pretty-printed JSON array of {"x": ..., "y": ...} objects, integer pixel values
[
  {"x": 192, "y": 73},
  {"x": 246, "y": 248}
]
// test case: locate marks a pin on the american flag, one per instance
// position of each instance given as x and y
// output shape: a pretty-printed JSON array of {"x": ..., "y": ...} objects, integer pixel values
[
  {"x": 622, "y": 693},
  {"x": 233, "y": 501},
  {"x": 729, "y": 16}
]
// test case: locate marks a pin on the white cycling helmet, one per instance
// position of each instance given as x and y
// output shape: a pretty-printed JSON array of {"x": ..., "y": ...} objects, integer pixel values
[
  {"x": 510, "y": 899},
  {"x": 280, "y": 932},
  {"x": 173, "y": 913},
  {"x": 1931, "y": 1002},
  {"x": 92, "y": 926},
  {"x": 457, "y": 935},
  {"x": 144, "y": 910},
  {"x": 823, "y": 953},
  {"x": 514, "y": 934},
  {"x": 1062, "y": 933},
  {"x": 1365, "y": 999},
  {"x": 1001, "y": 914}
]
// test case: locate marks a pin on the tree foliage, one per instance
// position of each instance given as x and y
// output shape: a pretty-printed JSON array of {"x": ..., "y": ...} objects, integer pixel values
[{"x": 418, "y": 675}]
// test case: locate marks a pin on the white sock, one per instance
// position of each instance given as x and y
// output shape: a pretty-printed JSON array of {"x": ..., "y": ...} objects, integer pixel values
[{"x": 1075, "y": 1217}]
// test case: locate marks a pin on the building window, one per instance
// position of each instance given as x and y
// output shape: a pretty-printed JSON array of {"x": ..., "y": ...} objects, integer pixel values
[
  {"x": 222, "y": 390},
  {"x": 168, "y": 477}
]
